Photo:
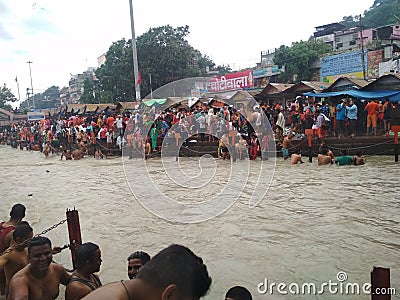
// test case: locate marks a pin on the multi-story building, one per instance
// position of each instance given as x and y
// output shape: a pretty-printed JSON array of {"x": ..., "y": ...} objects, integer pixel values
[
  {"x": 76, "y": 84},
  {"x": 326, "y": 33},
  {"x": 266, "y": 70},
  {"x": 353, "y": 38}
]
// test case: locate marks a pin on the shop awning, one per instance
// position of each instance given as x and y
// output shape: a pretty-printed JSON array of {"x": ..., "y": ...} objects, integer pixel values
[
  {"x": 151, "y": 102},
  {"x": 394, "y": 96}
]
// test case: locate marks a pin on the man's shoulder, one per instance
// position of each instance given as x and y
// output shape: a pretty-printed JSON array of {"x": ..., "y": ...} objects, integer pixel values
[
  {"x": 22, "y": 274},
  {"x": 56, "y": 267}
]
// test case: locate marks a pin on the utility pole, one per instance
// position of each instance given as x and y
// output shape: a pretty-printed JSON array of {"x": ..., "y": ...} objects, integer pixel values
[
  {"x": 27, "y": 96},
  {"x": 134, "y": 53},
  {"x": 362, "y": 49},
  {"x": 19, "y": 95},
  {"x": 30, "y": 74},
  {"x": 151, "y": 89}
]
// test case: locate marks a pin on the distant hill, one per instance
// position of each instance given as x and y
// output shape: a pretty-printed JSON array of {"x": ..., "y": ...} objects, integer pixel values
[{"x": 381, "y": 13}]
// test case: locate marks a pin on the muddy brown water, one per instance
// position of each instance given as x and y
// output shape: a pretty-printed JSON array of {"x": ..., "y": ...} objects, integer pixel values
[{"x": 312, "y": 223}]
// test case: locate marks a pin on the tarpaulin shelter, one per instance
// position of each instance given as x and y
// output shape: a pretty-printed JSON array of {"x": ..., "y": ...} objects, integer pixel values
[
  {"x": 152, "y": 102},
  {"x": 394, "y": 96}
]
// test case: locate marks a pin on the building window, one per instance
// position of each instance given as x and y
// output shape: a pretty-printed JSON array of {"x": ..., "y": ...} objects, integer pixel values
[{"x": 339, "y": 45}]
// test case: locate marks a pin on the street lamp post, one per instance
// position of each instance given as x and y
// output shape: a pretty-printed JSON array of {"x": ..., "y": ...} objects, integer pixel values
[
  {"x": 134, "y": 53},
  {"x": 27, "y": 96},
  {"x": 30, "y": 74}
]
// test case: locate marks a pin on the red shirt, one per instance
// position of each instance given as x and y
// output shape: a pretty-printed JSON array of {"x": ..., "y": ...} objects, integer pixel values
[
  {"x": 103, "y": 133},
  {"x": 3, "y": 232}
]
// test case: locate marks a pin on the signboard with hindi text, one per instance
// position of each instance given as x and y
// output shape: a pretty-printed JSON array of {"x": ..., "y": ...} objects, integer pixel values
[
  {"x": 232, "y": 81},
  {"x": 347, "y": 64},
  {"x": 36, "y": 115}
]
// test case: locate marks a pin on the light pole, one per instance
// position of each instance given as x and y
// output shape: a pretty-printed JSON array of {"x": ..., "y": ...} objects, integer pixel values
[
  {"x": 134, "y": 53},
  {"x": 27, "y": 96},
  {"x": 362, "y": 50},
  {"x": 30, "y": 74}
]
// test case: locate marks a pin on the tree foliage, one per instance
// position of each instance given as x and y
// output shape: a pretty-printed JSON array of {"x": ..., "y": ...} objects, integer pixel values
[
  {"x": 48, "y": 99},
  {"x": 164, "y": 55},
  {"x": 88, "y": 95},
  {"x": 381, "y": 13},
  {"x": 6, "y": 96},
  {"x": 298, "y": 58}
]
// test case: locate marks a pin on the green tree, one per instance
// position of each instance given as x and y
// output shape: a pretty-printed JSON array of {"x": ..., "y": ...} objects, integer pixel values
[
  {"x": 89, "y": 88},
  {"x": 298, "y": 58},
  {"x": 163, "y": 54},
  {"x": 381, "y": 13},
  {"x": 116, "y": 74},
  {"x": 6, "y": 96},
  {"x": 48, "y": 99},
  {"x": 350, "y": 21}
]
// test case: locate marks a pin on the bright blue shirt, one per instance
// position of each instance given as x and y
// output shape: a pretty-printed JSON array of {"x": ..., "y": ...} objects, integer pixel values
[{"x": 340, "y": 114}]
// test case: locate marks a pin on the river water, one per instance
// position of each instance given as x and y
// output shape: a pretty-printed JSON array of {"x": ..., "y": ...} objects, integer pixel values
[{"x": 313, "y": 222}]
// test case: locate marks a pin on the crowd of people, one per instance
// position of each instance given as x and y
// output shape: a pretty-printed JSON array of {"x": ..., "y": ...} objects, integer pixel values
[
  {"x": 346, "y": 118},
  {"x": 242, "y": 132},
  {"x": 28, "y": 271},
  {"x": 140, "y": 132},
  {"x": 325, "y": 155}
]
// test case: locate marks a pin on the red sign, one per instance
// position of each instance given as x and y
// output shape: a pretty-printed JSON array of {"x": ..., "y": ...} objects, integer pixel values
[{"x": 232, "y": 81}]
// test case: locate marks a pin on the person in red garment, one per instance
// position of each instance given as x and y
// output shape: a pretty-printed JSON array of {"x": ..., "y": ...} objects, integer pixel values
[{"x": 17, "y": 213}]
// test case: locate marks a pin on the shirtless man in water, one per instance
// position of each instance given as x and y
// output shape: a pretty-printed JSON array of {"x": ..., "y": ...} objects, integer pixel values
[
  {"x": 41, "y": 278},
  {"x": 147, "y": 149},
  {"x": 224, "y": 143},
  {"x": 135, "y": 261},
  {"x": 286, "y": 144},
  {"x": 47, "y": 149},
  {"x": 83, "y": 279},
  {"x": 17, "y": 258},
  {"x": 359, "y": 159},
  {"x": 324, "y": 158},
  {"x": 295, "y": 158},
  {"x": 174, "y": 273},
  {"x": 67, "y": 154},
  {"x": 77, "y": 154},
  {"x": 98, "y": 154}
]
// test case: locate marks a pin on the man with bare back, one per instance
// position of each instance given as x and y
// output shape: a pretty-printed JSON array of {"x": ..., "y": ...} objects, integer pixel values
[
  {"x": 81, "y": 152},
  {"x": 324, "y": 158}
]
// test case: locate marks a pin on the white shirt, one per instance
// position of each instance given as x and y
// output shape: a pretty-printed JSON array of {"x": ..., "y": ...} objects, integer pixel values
[
  {"x": 281, "y": 120},
  {"x": 119, "y": 123},
  {"x": 121, "y": 142}
]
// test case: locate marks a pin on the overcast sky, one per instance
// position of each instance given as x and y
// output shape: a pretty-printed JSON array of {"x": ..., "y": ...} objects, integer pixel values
[{"x": 66, "y": 37}]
